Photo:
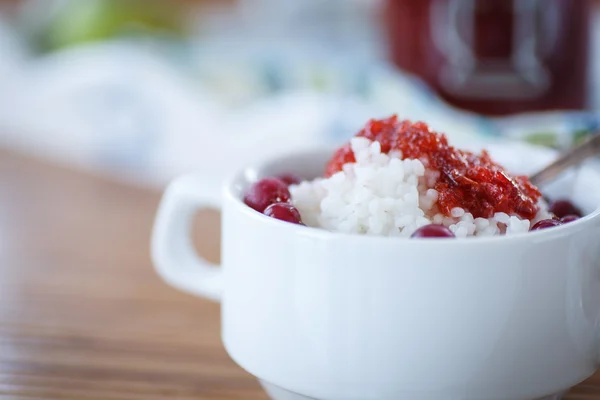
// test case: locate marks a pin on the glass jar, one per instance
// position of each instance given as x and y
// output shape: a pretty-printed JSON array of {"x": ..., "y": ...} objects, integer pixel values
[{"x": 495, "y": 57}]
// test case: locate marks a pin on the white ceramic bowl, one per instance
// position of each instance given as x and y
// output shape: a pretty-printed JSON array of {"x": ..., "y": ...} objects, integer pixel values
[{"x": 334, "y": 316}]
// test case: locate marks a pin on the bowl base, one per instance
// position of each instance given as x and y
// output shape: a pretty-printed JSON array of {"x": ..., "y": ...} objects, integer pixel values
[{"x": 277, "y": 393}]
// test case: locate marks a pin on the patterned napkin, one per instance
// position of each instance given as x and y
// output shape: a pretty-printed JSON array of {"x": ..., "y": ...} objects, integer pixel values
[{"x": 149, "y": 113}]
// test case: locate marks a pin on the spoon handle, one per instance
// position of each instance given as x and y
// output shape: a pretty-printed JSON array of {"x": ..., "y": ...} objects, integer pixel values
[{"x": 589, "y": 148}]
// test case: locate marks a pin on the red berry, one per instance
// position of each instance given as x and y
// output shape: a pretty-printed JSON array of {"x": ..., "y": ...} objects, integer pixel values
[
  {"x": 433, "y": 231},
  {"x": 546, "y": 223},
  {"x": 290, "y": 178},
  {"x": 266, "y": 192},
  {"x": 569, "y": 218},
  {"x": 562, "y": 208},
  {"x": 284, "y": 212}
]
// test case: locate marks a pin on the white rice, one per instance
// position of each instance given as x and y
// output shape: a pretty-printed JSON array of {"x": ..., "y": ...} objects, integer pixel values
[{"x": 384, "y": 195}]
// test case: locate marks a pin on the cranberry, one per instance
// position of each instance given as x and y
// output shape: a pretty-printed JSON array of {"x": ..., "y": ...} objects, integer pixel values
[
  {"x": 433, "y": 231},
  {"x": 290, "y": 179},
  {"x": 284, "y": 212},
  {"x": 562, "y": 208},
  {"x": 546, "y": 223},
  {"x": 569, "y": 218},
  {"x": 266, "y": 192}
]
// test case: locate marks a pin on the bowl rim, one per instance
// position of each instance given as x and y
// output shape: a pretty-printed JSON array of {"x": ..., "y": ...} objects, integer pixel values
[{"x": 233, "y": 188}]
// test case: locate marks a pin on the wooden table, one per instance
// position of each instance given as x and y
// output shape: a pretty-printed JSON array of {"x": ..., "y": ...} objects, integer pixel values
[{"x": 82, "y": 314}]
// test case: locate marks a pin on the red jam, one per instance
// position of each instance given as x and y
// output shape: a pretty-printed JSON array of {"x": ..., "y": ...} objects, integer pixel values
[{"x": 467, "y": 180}]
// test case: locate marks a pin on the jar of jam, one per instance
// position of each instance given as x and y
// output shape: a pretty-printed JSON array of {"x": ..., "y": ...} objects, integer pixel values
[{"x": 495, "y": 57}]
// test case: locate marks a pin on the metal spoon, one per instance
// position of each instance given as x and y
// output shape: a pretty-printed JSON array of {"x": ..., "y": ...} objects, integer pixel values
[{"x": 589, "y": 148}]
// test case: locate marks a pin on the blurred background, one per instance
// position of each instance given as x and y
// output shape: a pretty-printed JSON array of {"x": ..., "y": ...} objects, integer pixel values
[
  {"x": 143, "y": 90},
  {"x": 140, "y": 91}
]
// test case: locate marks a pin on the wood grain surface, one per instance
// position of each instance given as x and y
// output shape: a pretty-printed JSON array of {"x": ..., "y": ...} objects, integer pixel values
[{"x": 82, "y": 314}]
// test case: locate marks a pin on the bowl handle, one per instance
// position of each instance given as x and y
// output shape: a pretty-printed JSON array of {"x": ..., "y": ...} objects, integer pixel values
[{"x": 173, "y": 254}]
